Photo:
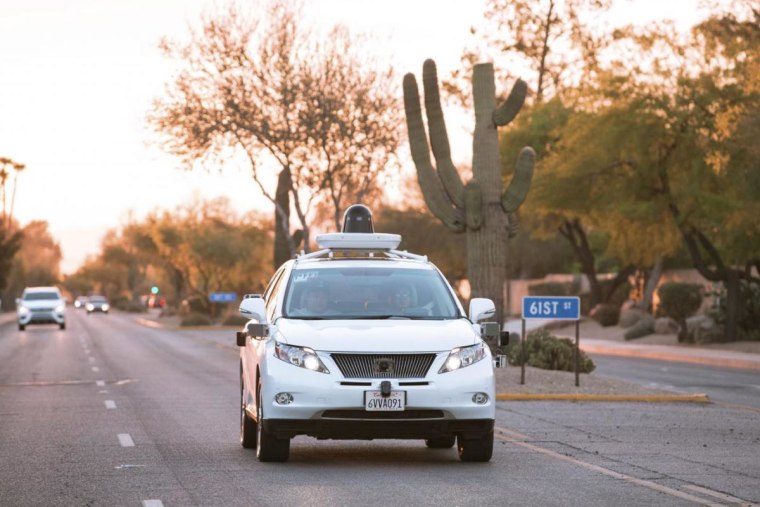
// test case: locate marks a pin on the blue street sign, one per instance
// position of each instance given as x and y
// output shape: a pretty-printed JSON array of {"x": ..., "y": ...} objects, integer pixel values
[
  {"x": 222, "y": 297},
  {"x": 551, "y": 307}
]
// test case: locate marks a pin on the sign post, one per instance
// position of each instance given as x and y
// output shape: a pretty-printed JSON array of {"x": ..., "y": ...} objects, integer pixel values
[{"x": 552, "y": 308}]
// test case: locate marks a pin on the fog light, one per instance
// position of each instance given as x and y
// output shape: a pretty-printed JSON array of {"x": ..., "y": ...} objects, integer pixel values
[
  {"x": 283, "y": 398},
  {"x": 480, "y": 398}
]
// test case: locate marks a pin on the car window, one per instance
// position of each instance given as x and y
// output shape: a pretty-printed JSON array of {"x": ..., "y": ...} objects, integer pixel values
[
  {"x": 40, "y": 296},
  {"x": 368, "y": 292}
]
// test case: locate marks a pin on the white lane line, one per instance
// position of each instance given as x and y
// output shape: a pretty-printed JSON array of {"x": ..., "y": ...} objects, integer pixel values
[
  {"x": 125, "y": 440},
  {"x": 610, "y": 473},
  {"x": 95, "y": 368},
  {"x": 103, "y": 391},
  {"x": 717, "y": 494},
  {"x": 110, "y": 404},
  {"x": 153, "y": 503},
  {"x": 100, "y": 383}
]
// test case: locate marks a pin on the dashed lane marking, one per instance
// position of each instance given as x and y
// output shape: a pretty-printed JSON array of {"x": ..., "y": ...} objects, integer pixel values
[
  {"x": 125, "y": 440},
  {"x": 100, "y": 383},
  {"x": 110, "y": 404},
  {"x": 95, "y": 369},
  {"x": 153, "y": 503}
]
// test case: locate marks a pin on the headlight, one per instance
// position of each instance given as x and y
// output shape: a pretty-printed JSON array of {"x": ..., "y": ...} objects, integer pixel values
[
  {"x": 59, "y": 309},
  {"x": 23, "y": 310},
  {"x": 299, "y": 356},
  {"x": 90, "y": 307},
  {"x": 463, "y": 356},
  {"x": 106, "y": 307}
]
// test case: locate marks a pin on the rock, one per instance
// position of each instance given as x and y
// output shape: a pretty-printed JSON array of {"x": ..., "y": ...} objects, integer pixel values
[
  {"x": 630, "y": 316},
  {"x": 644, "y": 327},
  {"x": 703, "y": 329},
  {"x": 605, "y": 315},
  {"x": 665, "y": 325}
]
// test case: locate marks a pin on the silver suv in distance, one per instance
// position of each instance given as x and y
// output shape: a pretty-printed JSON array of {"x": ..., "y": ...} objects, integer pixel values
[{"x": 41, "y": 305}]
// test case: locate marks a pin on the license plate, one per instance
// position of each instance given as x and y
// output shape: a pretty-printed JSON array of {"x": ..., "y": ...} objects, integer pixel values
[{"x": 375, "y": 402}]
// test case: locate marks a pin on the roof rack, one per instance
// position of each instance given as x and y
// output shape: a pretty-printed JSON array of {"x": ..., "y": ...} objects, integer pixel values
[{"x": 365, "y": 243}]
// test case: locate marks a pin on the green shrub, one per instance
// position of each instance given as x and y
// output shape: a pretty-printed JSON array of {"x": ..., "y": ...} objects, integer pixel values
[
  {"x": 606, "y": 315},
  {"x": 195, "y": 319},
  {"x": 128, "y": 306},
  {"x": 549, "y": 289},
  {"x": 678, "y": 301},
  {"x": 546, "y": 351},
  {"x": 749, "y": 312},
  {"x": 234, "y": 320}
]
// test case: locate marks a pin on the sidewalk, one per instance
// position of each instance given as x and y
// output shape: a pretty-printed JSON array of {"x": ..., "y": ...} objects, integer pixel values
[{"x": 609, "y": 341}]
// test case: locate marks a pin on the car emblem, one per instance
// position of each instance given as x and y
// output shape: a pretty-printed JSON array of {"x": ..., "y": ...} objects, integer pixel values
[{"x": 384, "y": 365}]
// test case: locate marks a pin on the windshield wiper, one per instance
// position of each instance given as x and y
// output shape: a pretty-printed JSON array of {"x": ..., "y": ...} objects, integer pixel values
[{"x": 309, "y": 317}]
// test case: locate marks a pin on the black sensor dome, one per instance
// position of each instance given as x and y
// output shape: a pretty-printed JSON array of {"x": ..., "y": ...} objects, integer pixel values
[{"x": 358, "y": 218}]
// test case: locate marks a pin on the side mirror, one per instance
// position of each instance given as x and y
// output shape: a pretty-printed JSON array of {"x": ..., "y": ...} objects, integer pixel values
[
  {"x": 253, "y": 308},
  {"x": 481, "y": 309}
]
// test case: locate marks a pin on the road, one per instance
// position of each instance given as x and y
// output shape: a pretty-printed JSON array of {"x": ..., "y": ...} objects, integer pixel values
[
  {"x": 110, "y": 412},
  {"x": 725, "y": 385}
]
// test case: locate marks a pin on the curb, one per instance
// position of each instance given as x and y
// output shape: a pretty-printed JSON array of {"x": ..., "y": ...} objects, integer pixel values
[
  {"x": 666, "y": 355},
  {"x": 648, "y": 398}
]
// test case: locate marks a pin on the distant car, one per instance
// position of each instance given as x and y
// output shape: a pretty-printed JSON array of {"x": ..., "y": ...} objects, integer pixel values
[
  {"x": 41, "y": 305},
  {"x": 97, "y": 304},
  {"x": 80, "y": 302}
]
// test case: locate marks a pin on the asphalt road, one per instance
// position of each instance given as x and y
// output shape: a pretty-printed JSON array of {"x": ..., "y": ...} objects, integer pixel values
[
  {"x": 109, "y": 412},
  {"x": 725, "y": 385}
]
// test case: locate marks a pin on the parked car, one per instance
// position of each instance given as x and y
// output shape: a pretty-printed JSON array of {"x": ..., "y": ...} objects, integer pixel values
[
  {"x": 41, "y": 305},
  {"x": 97, "y": 303},
  {"x": 361, "y": 341},
  {"x": 80, "y": 302}
]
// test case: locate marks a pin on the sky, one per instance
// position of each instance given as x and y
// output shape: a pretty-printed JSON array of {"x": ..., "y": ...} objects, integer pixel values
[{"x": 78, "y": 76}]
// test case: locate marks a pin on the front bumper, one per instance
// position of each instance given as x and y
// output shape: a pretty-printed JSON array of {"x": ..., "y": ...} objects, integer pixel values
[
  {"x": 41, "y": 317},
  {"x": 331, "y": 406}
]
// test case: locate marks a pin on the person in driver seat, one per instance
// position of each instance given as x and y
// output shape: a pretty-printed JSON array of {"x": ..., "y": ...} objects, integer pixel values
[{"x": 316, "y": 300}]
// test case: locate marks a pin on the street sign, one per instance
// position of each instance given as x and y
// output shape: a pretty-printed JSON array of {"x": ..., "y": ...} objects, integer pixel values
[
  {"x": 551, "y": 307},
  {"x": 222, "y": 297}
]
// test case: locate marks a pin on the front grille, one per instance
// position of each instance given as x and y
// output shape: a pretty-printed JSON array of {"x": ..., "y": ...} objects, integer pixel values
[
  {"x": 384, "y": 365},
  {"x": 364, "y": 414},
  {"x": 42, "y": 310}
]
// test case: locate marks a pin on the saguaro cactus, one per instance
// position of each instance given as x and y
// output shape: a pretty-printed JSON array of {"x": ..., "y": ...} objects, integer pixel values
[{"x": 480, "y": 208}]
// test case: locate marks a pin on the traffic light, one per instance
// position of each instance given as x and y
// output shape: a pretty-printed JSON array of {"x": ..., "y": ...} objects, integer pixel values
[{"x": 154, "y": 289}]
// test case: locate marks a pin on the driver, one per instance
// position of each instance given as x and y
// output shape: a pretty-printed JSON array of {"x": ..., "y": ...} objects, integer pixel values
[
  {"x": 316, "y": 300},
  {"x": 402, "y": 298}
]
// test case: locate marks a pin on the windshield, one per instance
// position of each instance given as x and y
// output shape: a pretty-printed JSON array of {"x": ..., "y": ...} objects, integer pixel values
[
  {"x": 368, "y": 293},
  {"x": 40, "y": 296},
  {"x": 97, "y": 299}
]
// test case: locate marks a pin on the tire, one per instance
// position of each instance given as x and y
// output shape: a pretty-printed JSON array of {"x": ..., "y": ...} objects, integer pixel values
[
  {"x": 269, "y": 448},
  {"x": 21, "y": 327},
  {"x": 62, "y": 326},
  {"x": 475, "y": 449},
  {"x": 441, "y": 442},
  {"x": 248, "y": 428}
]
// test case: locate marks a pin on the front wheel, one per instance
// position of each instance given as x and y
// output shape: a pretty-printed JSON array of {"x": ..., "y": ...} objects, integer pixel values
[
  {"x": 21, "y": 327},
  {"x": 62, "y": 326},
  {"x": 475, "y": 449},
  {"x": 248, "y": 428},
  {"x": 270, "y": 448}
]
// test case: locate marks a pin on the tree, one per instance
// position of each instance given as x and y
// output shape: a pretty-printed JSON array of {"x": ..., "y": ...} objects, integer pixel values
[{"x": 267, "y": 91}]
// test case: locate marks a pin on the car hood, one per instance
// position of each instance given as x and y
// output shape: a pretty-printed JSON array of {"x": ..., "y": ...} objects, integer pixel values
[
  {"x": 42, "y": 303},
  {"x": 393, "y": 335}
]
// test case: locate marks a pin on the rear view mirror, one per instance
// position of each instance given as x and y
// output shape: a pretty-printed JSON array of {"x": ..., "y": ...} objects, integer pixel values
[
  {"x": 481, "y": 309},
  {"x": 253, "y": 308}
]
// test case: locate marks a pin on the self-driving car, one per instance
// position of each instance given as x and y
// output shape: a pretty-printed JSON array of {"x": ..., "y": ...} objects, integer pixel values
[
  {"x": 362, "y": 341},
  {"x": 41, "y": 305}
]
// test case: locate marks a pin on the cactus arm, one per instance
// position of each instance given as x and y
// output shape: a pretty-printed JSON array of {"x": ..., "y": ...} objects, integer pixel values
[
  {"x": 433, "y": 192},
  {"x": 513, "y": 224},
  {"x": 510, "y": 107},
  {"x": 473, "y": 209},
  {"x": 439, "y": 139},
  {"x": 518, "y": 188}
]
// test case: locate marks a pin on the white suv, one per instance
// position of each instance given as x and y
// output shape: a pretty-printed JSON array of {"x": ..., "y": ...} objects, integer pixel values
[
  {"x": 362, "y": 341},
  {"x": 41, "y": 305}
]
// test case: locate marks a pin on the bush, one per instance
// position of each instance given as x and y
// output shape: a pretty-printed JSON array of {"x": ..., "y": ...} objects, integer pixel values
[
  {"x": 549, "y": 289},
  {"x": 546, "y": 351},
  {"x": 749, "y": 313},
  {"x": 678, "y": 301},
  {"x": 195, "y": 319},
  {"x": 606, "y": 315},
  {"x": 129, "y": 306}
]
